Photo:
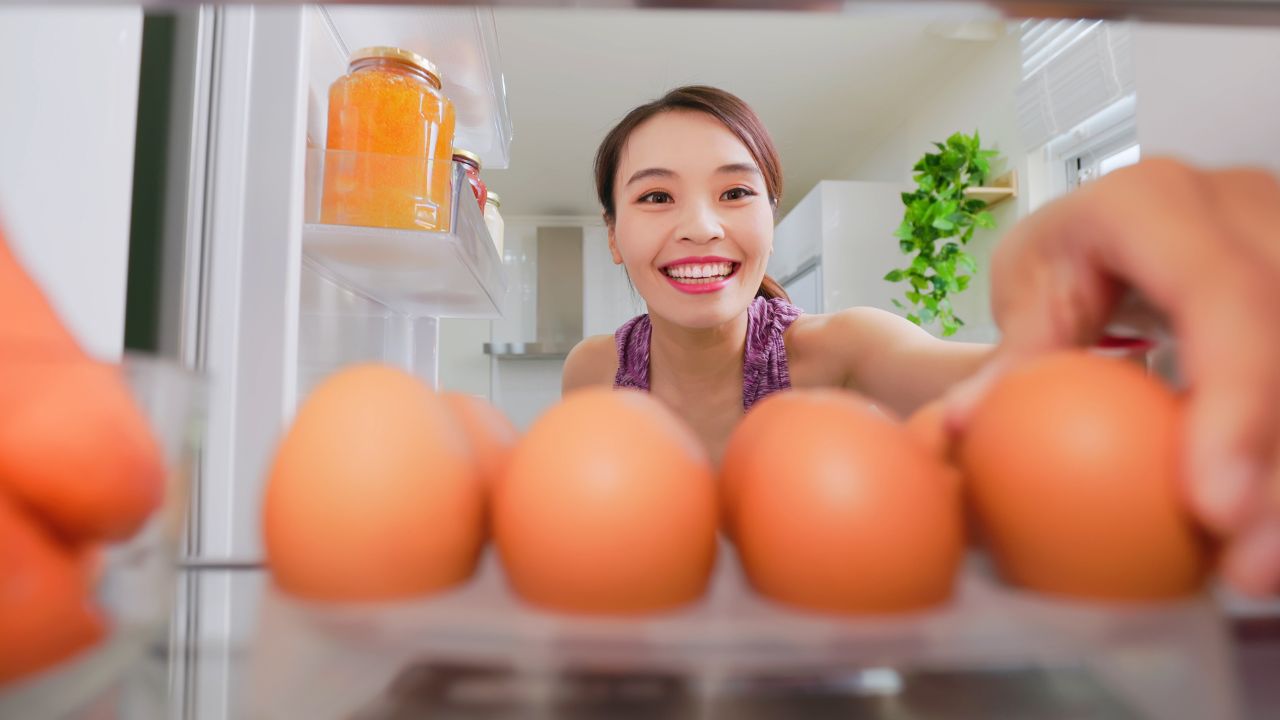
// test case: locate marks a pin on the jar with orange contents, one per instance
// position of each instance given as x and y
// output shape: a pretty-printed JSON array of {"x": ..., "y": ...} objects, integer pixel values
[{"x": 390, "y": 142}]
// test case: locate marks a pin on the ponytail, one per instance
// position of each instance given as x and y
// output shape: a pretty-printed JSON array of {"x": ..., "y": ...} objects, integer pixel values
[{"x": 770, "y": 289}]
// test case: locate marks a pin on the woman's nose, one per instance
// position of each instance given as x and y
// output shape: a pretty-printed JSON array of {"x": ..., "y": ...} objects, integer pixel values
[{"x": 699, "y": 223}]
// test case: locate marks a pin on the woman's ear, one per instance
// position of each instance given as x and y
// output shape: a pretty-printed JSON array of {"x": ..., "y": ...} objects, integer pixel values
[{"x": 613, "y": 244}]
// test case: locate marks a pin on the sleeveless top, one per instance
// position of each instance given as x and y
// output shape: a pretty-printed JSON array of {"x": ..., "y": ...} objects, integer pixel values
[{"x": 764, "y": 367}]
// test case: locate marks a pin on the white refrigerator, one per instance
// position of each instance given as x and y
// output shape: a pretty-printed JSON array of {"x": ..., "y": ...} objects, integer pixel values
[{"x": 272, "y": 300}]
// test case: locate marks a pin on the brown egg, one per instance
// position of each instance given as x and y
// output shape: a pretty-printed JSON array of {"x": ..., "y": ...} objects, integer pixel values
[
  {"x": 46, "y": 615},
  {"x": 738, "y": 456},
  {"x": 491, "y": 435},
  {"x": 372, "y": 493},
  {"x": 1073, "y": 462},
  {"x": 837, "y": 508},
  {"x": 77, "y": 450},
  {"x": 608, "y": 506},
  {"x": 928, "y": 425}
]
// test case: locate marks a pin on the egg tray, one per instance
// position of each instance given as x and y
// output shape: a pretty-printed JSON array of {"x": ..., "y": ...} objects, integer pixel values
[{"x": 1165, "y": 660}]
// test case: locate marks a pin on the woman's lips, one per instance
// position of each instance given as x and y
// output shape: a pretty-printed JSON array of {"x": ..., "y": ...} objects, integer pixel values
[{"x": 698, "y": 278}]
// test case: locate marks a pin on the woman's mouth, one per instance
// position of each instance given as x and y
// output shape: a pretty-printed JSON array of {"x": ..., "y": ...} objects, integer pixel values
[
  {"x": 694, "y": 277},
  {"x": 700, "y": 272}
]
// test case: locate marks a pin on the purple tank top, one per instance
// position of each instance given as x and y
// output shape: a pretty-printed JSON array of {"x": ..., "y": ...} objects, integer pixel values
[{"x": 764, "y": 369}]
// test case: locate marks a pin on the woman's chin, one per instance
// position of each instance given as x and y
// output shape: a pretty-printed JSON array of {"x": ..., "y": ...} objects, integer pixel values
[{"x": 702, "y": 313}]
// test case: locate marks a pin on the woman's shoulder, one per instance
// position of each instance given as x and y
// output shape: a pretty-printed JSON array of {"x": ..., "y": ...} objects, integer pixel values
[
  {"x": 830, "y": 345},
  {"x": 593, "y": 361},
  {"x": 822, "y": 327}
]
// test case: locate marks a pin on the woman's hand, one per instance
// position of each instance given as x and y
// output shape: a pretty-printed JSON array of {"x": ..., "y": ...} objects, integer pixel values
[{"x": 1203, "y": 248}]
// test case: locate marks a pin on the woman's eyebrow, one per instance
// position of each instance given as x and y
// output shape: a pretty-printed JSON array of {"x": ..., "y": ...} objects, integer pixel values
[
  {"x": 734, "y": 168},
  {"x": 730, "y": 169},
  {"x": 651, "y": 172}
]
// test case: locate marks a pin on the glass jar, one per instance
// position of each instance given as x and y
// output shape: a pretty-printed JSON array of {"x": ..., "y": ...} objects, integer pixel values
[
  {"x": 389, "y": 145},
  {"x": 493, "y": 220},
  {"x": 471, "y": 162}
]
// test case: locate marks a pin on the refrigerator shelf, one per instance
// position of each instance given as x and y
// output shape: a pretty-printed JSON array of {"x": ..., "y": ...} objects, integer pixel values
[{"x": 455, "y": 273}]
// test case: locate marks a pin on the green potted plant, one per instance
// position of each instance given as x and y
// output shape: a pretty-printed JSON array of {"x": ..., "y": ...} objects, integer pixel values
[{"x": 938, "y": 223}]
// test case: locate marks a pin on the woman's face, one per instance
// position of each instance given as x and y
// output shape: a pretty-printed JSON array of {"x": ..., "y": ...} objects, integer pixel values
[{"x": 693, "y": 221}]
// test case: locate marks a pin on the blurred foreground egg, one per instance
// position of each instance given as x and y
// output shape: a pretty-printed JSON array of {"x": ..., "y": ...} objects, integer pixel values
[
  {"x": 46, "y": 612},
  {"x": 373, "y": 494},
  {"x": 490, "y": 434},
  {"x": 836, "y": 508},
  {"x": 1073, "y": 464},
  {"x": 608, "y": 506},
  {"x": 77, "y": 450}
]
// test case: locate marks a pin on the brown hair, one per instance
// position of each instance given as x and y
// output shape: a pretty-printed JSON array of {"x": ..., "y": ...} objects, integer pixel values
[{"x": 726, "y": 107}]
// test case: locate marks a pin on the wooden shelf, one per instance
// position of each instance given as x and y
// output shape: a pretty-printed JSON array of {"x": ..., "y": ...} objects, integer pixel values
[{"x": 1000, "y": 189}]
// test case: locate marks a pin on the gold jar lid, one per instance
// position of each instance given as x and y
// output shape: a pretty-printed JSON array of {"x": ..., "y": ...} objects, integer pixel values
[
  {"x": 467, "y": 156},
  {"x": 408, "y": 57},
  {"x": 493, "y": 198}
]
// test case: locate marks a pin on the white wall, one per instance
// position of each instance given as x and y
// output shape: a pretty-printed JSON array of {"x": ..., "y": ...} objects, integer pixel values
[
  {"x": 981, "y": 96},
  {"x": 858, "y": 220},
  {"x": 607, "y": 296},
  {"x": 1209, "y": 94},
  {"x": 525, "y": 388},
  {"x": 69, "y": 89},
  {"x": 845, "y": 223},
  {"x": 464, "y": 366},
  {"x": 798, "y": 237}
]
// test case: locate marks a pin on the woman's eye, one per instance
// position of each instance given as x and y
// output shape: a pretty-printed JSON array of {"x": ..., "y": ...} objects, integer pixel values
[
  {"x": 737, "y": 193},
  {"x": 655, "y": 197}
]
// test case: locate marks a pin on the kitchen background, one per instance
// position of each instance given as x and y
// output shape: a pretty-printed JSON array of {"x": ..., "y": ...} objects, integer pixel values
[{"x": 852, "y": 102}]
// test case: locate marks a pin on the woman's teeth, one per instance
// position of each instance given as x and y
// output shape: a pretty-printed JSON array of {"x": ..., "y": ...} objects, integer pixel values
[{"x": 700, "y": 274}]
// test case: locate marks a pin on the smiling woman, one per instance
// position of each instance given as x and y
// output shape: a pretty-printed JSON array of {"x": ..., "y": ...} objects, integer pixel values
[
  {"x": 703, "y": 115},
  {"x": 690, "y": 185}
]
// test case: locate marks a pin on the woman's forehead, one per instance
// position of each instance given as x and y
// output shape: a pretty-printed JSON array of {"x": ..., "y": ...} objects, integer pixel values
[{"x": 683, "y": 142}]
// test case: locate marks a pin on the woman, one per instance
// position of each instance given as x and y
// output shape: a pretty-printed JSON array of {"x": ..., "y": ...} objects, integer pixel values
[{"x": 690, "y": 185}]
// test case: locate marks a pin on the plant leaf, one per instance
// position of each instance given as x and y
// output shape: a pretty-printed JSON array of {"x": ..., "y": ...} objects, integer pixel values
[{"x": 893, "y": 276}]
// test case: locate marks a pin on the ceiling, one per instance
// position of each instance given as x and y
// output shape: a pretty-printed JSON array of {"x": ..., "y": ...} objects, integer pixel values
[{"x": 827, "y": 86}]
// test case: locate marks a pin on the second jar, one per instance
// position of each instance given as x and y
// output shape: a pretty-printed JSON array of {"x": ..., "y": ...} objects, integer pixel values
[
  {"x": 390, "y": 143},
  {"x": 471, "y": 163}
]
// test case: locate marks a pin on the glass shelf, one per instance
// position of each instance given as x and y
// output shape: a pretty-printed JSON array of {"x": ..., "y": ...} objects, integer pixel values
[{"x": 417, "y": 273}]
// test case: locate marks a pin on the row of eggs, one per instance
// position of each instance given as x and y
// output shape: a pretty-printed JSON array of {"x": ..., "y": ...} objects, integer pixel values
[{"x": 1067, "y": 474}]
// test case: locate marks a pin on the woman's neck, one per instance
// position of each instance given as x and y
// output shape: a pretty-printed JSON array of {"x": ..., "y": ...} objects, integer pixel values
[{"x": 693, "y": 358}]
